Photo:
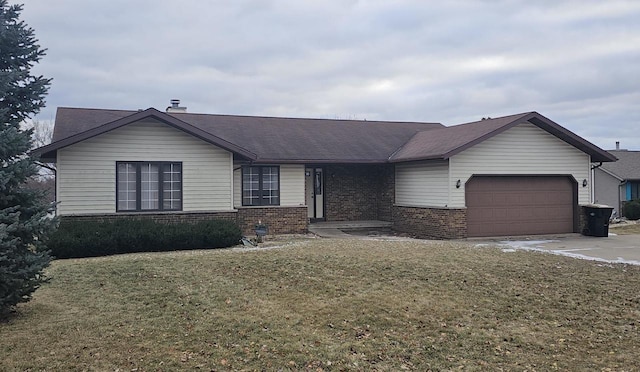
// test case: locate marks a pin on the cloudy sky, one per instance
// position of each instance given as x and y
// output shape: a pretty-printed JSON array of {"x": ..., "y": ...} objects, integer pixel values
[{"x": 576, "y": 62}]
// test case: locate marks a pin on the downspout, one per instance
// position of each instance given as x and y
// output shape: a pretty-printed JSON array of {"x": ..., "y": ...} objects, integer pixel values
[
  {"x": 55, "y": 184},
  {"x": 623, "y": 183},
  {"x": 449, "y": 183},
  {"x": 233, "y": 186},
  {"x": 593, "y": 181},
  {"x": 249, "y": 163}
]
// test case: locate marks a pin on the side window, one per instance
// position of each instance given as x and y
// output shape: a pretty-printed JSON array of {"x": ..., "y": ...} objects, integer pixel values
[
  {"x": 635, "y": 190},
  {"x": 148, "y": 186},
  {"x": 260, "y": 185}
]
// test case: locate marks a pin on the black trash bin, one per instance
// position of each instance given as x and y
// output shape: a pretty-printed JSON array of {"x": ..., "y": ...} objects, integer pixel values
[{"x": 598, "y": 219}]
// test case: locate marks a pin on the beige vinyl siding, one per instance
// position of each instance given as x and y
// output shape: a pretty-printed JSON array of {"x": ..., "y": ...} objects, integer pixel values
[
  {"x": 291, "y": 185},
  {"x": 87, "y": 170},
  {"x": 237, "y": 184},
  {"x": 422, "y": 184},
  {"x": 524, "y": 149}
]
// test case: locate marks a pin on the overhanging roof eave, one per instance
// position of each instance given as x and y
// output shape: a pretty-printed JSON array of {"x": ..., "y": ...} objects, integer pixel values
[
  {"x": 150, "y": 113},
  {"x": 597, "y": 154},
  {"x": 418, "y": 158},
  {"x": 318, "y": 161},
  {"x": 611, "y": 174}
]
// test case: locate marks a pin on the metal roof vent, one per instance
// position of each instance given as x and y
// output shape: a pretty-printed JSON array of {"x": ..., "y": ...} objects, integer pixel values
[{"x": 175, "y": 106}]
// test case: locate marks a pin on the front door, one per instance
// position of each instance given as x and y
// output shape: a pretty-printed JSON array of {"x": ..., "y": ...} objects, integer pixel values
[{"x": 314, "y": 185}]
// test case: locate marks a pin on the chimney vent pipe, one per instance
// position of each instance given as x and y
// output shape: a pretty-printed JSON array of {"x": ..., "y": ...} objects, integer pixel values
[
  {"x": 617, "y": 145},
  {"x": 175, "y": 106}
]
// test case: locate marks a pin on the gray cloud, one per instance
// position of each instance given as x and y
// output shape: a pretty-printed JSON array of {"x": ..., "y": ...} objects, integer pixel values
[{"x": 577, "y": 62}]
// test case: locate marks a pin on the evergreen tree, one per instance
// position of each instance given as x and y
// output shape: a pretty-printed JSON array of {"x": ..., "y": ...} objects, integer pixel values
[{"x": 23, "y": 226}]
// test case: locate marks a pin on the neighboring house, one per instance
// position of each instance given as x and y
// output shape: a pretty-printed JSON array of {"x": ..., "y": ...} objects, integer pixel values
[
  {"x": 616, "y": 183},
  {"x": 514, "y": 175}
]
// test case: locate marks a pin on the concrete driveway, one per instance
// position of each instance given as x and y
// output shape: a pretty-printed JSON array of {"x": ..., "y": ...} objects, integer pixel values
[{"x": 614, "y": 248}]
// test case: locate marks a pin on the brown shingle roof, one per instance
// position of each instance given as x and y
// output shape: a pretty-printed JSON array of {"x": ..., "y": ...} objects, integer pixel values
[
  {"x": 71, "y": 121},
  {"x": 69, "y": 134},
  {"x": 442, "y": 143},
  {"x": 269, "y": 138},
  {"x": 446, "y": 142},
  {"x": 290, "y": 140}
]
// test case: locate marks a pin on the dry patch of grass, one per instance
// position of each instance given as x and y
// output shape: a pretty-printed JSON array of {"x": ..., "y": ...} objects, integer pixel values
[
  {"x": 625, "y": 229},
  {"x": 330, "y": 305}
]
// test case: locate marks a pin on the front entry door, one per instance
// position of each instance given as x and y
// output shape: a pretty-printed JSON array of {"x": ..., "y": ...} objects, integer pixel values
[{"x": 315, "y": 193}]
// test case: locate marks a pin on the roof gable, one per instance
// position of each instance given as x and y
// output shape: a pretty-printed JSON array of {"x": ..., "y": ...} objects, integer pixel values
[
  {"x": 597, "y": 154},
  {"x": 447, "y": 142},
  {"x": 95, "y": 129}
]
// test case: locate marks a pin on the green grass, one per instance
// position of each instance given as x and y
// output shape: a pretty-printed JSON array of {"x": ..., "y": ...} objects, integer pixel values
[{"x": 330, "y": 305}]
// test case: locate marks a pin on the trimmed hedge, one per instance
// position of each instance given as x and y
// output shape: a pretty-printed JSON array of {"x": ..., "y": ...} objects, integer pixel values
[
  {"x": 75, "y": 239},
  {"x": 632, "y": 209}
]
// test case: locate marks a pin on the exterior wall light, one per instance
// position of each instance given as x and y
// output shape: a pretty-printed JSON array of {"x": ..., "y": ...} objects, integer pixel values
[
  {"x": 458, "y": 184},
  {"x": 584, "y": 182}
]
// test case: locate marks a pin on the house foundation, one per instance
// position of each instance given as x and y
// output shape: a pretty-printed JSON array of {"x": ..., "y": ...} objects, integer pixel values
[
  {"x": 161, "y": 217},
  {"x": 439, "y": 223},
  {"x": 280, "y": 220}
]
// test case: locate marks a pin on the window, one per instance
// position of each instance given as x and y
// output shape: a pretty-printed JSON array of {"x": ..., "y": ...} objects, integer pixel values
[
  {"x": 148, "y": 186},
  {"x": 260, "y": 186}
]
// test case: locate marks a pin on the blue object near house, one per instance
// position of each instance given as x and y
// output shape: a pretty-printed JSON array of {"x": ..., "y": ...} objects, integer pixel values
[{"x": 618, "y": 182}]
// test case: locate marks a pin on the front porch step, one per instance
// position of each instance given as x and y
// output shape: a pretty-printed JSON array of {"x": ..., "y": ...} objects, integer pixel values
[
  {"x": 335, "y": 229},
  {"x": 343, "y": 225}
]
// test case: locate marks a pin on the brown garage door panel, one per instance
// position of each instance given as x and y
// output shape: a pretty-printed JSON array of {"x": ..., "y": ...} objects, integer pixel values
[
  {"x": 519, "y": 205},
  {"x": 509, "y": 215}
]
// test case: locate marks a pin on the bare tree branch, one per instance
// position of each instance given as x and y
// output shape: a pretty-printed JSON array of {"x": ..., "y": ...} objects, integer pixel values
[{"x": 42, "y": 131}]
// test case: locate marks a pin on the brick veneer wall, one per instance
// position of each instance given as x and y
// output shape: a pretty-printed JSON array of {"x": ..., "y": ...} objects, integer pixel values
[
  {"x": 386, "y": 192},
  {"x": 166, "y": 217},
  {"x": 582, "y": 220},
  {"x": 359, "y": 192},
  {"x": 439, "y": 223},
  {"x": 279, "y": 220}
]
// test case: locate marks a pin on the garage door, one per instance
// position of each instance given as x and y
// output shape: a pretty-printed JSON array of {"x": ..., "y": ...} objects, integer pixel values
[{"x": 499, "y": 206}]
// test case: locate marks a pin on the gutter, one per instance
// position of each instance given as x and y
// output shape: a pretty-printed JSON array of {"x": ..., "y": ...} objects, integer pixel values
[{"x": 44, "y": 165}]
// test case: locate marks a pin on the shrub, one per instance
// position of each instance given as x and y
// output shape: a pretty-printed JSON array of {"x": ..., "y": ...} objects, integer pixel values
[
  {"x": 632, "y": 209},
  {"x": 75, "y": 239}
]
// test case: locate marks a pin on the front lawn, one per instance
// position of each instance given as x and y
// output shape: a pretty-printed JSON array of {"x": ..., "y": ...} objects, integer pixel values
[
  {"x": 625, "y": 229},
  {"x": 330, "y": 305}
]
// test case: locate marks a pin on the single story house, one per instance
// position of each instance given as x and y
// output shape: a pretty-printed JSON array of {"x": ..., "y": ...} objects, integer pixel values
[
  {"x": 618, "y": 182},
  {"x": 513, "y": 175}
]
